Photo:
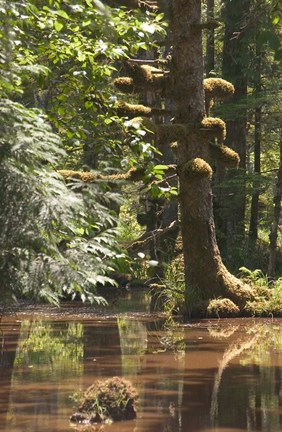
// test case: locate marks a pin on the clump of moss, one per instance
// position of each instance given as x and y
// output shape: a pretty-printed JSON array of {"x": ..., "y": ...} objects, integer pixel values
[
  {"x": 113, "y": 399},
  {"x": 143, "y": 74},
  {"x": 224, "y": 155},
  {"x": 80, "y": 175},
  {"x": 197, "y": 168},
  {"x": 132, "y": 110},
  {"x": 125, "y": 84},
  {"x": 222, "y": 308},
  {"x": 216, "y": 88},
  {"x": 134, "y": 174},
  {"x": 168, "y": 133},
  {"x": 142, "y": 77},
  {"x": 213, "y": 127}
]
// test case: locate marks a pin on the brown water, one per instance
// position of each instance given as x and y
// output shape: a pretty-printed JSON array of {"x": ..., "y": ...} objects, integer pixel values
[{"x": 207, "y": 376}]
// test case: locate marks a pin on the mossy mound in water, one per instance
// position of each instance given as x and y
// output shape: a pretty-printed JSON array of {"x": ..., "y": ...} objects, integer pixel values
[{"x": 113, "y": 399}]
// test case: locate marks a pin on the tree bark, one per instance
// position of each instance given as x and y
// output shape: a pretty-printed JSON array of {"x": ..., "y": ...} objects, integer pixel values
[
  {"x": 204, "y": 270},
  {"x": 276, "y": 218},
  {"x": 234, "y": 69},
  {"x": 210, "y": 51},
  {"x": 253, "y": 229}
]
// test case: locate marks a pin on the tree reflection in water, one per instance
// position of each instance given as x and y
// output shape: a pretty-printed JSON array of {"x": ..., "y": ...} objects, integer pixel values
[{"x": 206, "y": 376}]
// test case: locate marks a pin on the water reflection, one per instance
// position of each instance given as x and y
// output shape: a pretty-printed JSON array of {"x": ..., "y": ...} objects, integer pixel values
[{"x": 209, "y": 376}]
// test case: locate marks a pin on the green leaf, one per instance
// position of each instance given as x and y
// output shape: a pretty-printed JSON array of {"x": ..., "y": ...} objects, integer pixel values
[
  {"x": 58, "y": 25},
  {"x": 62, "y": 14}
]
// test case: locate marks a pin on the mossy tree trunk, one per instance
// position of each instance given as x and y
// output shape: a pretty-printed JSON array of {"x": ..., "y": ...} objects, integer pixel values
[{"x": 204, "y": 269}]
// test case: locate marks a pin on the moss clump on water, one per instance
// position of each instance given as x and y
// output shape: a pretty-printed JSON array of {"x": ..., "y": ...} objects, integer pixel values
[
  {"x": 224, "y": 156},
  {"x": 113, "y": 399},
  {"x": 197, "y": 168},
  {"x": 223, "y": 308},
  {"x": 211, "y": 128}
]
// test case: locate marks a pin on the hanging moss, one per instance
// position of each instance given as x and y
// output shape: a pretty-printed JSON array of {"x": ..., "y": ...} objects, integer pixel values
[
  {"x": 216, "y": 88},
  {"x": 131, "y": 110},
  {"x": 125, "y": 84},
  {"x": 224, "y": 155},
  {"x": 197, "y": 168},
  {"x": 168, "y": 133},
  {"x": 213, "y": 127}
]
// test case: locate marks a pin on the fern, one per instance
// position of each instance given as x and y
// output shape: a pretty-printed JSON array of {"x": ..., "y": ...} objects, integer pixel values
[{"x": 51, "y": 236}]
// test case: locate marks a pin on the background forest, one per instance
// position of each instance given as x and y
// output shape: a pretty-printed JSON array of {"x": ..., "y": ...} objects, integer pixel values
[{"x": 88, "y": 196}]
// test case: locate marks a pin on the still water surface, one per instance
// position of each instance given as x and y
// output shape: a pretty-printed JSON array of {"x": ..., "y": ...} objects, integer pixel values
[{"x": 208, "y": 376}]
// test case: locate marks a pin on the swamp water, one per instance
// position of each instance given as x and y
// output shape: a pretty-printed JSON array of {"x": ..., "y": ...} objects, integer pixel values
[{"x": 208, "y": 376}]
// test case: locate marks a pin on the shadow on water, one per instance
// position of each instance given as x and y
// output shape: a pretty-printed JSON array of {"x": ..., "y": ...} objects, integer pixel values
[{"x": 208, "y": 376}]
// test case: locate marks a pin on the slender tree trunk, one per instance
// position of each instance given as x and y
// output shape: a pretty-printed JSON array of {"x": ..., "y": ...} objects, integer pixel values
[
  {"x": 210, "y": 51},
  {"x": 253, "y": 230},
  {"x": 234, "y": 69},
  {"x": 204, "y": 269},
  {"x": 276, "y": 219}
]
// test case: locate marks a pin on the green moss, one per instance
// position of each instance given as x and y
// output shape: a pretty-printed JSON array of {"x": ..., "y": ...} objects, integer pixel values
[
  {"x": 131, "y": 110},
  {"x": 224, "y": 155},
  {"x": 222, "y": 308},
  {"x": 197, "y": 168},
  {"x": 125, "y": 84},
  {"x": 213, "y": 127},
  {"x": 218, "y": 88},
  {"x": 80, "y": 175},
  {"x": 114, "y": 399},
  {"x": 147, "y": 77},
  {"x": 134, "y": 174},
  {"x": 168, "y": 133}
]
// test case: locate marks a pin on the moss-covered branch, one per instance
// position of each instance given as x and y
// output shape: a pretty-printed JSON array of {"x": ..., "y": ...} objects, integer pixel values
[
  {"x": 142, "y": 77},
  {"x": 216, "y": 88},
  {"x": 134, "y": 174},
  {"x": 224, "y": 155},
  {"x": 211, "y": 128}
]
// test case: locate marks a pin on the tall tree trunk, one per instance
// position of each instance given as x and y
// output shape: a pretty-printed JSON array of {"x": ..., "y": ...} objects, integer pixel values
[
  {"x": 234, "y": 69},
  {"x": 253, "y": 229},
  {"x": 210, "y": 52},
  {"x": 204, "y": 269},
  {"x": 276, "y": 218}
]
